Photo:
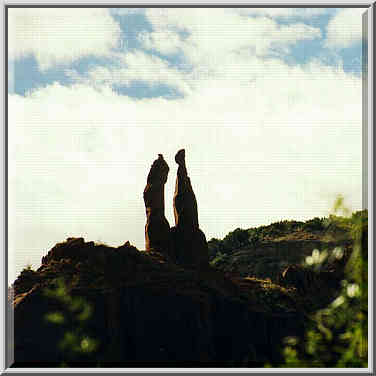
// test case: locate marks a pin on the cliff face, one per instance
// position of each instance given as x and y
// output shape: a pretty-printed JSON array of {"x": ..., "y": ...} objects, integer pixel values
[{"x": 143, "y": 310}]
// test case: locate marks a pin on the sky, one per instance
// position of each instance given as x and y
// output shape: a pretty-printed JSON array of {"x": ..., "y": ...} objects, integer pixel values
[{"x": 267, "y": 103}]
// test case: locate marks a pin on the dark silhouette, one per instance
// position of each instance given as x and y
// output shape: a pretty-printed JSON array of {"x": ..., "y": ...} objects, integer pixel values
[
  {"x": 185, "y": 243},
  {"x": 145, "y": 313},
  {"x": 157, "y": 228},
  {"x": 189, "y": 241},
  {"x": 185, "y": 204}
]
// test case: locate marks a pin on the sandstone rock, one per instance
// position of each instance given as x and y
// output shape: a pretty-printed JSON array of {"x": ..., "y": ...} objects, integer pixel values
[
  {"x": 189, "y": 241},
  {"x": 146, "y": 313},
  {"x": 190, "y": 247},
  {"x": 157, "y": 228}
]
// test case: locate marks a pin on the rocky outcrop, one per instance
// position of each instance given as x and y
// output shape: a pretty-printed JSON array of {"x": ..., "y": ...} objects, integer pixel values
[
  {"x": 94, "y": 305},
  {"x": 189, "y": 241},
  {"x": 185, "y": 243},
  {"x": 157, "y": 228},
  {"x": 148, "y": 311}
]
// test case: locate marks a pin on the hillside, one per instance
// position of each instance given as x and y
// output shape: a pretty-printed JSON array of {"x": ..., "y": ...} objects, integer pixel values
[
  {"x": 145, "y": 310},
  {"x": 266, "y": 251},
  {"x": 95, "y": 305}
]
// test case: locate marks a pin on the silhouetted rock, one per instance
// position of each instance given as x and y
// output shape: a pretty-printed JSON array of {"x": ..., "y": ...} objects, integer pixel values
[
  {"x": 190, "y": 246},
  {"x": 157, "y": 228},
  {"x": 148, "y": 311},
  {"x": 189, "y": 241},
  {"x": 185, "y": 204}
]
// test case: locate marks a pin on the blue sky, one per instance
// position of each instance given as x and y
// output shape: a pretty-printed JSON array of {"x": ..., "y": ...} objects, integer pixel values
[
  {"x": 267, "y": 103},
  {"x": 28, "y": 76}
]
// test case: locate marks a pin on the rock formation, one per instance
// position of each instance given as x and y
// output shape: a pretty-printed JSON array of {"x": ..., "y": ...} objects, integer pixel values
[
  {"x": 189, "y": 241},
  {"x": 91, "y": 305},
  {"x": 146, "y": 312},
  {"x": 157, "y": 228}
]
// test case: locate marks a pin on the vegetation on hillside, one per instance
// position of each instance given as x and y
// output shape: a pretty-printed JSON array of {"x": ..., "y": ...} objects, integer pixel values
[
  {"x": 333, "y": 227},
  {"x": 337, "y": 335},
  {"x": 336, "y": 329}
]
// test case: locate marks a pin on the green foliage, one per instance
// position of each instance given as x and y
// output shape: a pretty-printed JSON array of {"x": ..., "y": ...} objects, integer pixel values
[
  {"x": 315, "y": 224},
  {"x": 215, "y": 246},
  {"x": 337, "y": 334},
  {"x": 334, "y": 225},
  {"x": 218, "y": 259},
  {"x": 277, "y": 229},
  {"x": 318, "y": 261},
  {"x": 55, "y": 317},
  {"x": 74, "y": 316},
  {"x": 235, "y": 239},
  {"x": 339, "y": 206},
  {"x": 253, "y": 236}
]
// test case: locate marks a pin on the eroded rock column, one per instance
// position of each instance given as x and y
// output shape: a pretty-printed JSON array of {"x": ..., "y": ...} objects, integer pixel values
[
  {"x": 190, "y": 243},
  {"x": 157, "y": 228}
]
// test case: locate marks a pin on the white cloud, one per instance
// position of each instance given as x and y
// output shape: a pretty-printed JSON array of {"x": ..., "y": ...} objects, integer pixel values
[
  {"x": 212, "y": 34},
  {"x": 165, "y": 41},
  {"x": 283, "y": 12},
  {"x": 207, "y": 42},
  {"x": 60, "y": 36},
  {"x": 138, "y": 66},
  {"x": 127, "y": 11},
  {"x": 345, "y": 28}
]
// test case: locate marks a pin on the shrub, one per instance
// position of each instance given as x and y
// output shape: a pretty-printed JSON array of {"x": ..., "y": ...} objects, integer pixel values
[
  {"x": 74, "y": 317},
  {"x": 337, "y": 334},
  {"x": 315, "y": 224},
  {"x": 214, "y": 246},
  {"x": 253, "y": 236},
  {"x": 235, "y": 239},
  {"x": 218, "y": 258}
]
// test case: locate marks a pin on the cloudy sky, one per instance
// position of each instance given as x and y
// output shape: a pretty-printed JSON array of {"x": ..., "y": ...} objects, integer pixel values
[{"x": 266, "y": 102}]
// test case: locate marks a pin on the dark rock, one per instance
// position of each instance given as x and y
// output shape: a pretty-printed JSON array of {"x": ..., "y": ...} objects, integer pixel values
[
  {"x": 147, "y": 311},
  {"x": 157, "y": 228},
  {"x": 190, "y": 247},
  {"x": 189, "y": 241}
]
